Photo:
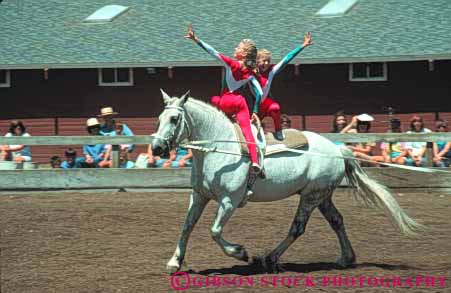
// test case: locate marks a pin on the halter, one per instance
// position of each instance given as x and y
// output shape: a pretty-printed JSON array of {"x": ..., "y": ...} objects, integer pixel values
[{"x": 183, "y": 124}]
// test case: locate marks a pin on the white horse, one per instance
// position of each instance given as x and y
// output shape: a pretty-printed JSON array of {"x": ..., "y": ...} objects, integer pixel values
[{"x": 223, "y": 178}]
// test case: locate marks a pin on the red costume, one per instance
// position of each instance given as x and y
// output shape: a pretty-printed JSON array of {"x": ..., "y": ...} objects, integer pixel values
[{"x": 231, "y": 102}]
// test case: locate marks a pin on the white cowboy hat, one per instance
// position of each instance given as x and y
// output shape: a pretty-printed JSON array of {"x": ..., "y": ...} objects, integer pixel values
[
  {"x": 365, "y": 118},
  {"x": 92, "y": 122},
  {"x": 107, "y": 111}
]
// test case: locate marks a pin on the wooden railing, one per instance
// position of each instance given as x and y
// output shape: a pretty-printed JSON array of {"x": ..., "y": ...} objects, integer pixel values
[{"x": 47, "y": 179}]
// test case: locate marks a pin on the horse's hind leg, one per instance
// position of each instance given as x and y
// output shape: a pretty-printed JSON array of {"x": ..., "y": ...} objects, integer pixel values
[
  {"x": 226, "y": 207},
  {"x": 306, "y": 205},
  {"x": 196, "y": 207},
  {"x": 335, "y": 220}
]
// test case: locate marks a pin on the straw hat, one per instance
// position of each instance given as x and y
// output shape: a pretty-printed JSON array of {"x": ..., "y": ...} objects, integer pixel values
[
  {"x": 107, "y": 111},
  {"x": 92, "y": 122},
  {"x": 365, "y": 118}
]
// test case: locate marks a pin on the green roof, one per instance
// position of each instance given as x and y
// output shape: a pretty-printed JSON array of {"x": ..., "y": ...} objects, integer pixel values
[{"x": 52, "y": 33}]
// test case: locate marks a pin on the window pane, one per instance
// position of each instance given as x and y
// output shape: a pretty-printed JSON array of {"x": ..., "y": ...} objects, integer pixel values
[
  {"x": 359, "y": 70},
  {"x": 2, "y": 76},
  {"x": 123, "y": 75},
  {"x": 376, "y": 69},
  {"x": 108, "y": 75}
]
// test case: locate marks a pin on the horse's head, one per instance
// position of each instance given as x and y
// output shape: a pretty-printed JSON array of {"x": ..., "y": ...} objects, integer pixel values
[{"x": 173, "y": 127}]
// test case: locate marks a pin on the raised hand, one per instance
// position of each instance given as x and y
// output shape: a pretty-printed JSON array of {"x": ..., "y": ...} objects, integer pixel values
[
  {"x": 190, "y": 34},
  {"x": 307, "y": 40}
]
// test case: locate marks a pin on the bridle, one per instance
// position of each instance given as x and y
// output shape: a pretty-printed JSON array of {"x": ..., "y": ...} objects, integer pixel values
[{"x": 181, "y": 123}]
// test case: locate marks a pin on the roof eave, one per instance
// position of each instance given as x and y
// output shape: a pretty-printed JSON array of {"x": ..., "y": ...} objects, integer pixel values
[{"x": 212, "y": 63}]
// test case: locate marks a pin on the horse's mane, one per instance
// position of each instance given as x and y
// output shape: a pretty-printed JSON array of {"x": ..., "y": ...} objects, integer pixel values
[{"x": 209, "y": 108}]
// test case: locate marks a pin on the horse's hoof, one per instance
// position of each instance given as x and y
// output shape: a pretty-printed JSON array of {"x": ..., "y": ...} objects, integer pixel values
[
  {"x": 245, "y": 256},
  {"x": 172, "y": 266},
  {"x": 172, "y": 269},
  {"x": 269, "y": 265},
  {"x": 239, "y": 253},
  {"x": 278, "y": 268},
  {"x": 344, "y": 263}
]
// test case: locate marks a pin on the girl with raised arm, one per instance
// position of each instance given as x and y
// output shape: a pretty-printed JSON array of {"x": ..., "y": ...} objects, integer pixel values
[
  {"x": 265, "y": 74},
  {"x": 237, "y": 73}
]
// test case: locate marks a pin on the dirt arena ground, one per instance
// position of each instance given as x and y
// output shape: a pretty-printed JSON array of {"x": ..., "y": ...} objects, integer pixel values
[{"x": 120, "y": 242}]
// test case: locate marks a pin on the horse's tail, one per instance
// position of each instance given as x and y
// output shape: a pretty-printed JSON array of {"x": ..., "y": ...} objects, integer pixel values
[{"x": 374, "y": 193}]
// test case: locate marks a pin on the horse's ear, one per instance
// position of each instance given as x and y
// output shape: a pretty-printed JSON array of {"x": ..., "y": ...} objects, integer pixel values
[
  {"x": 184, "y": 98},
  {"x": 166, "y": 97}
]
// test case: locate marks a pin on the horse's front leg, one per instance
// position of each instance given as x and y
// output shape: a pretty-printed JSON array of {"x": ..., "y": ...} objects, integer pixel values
[
  {"x": 226, "y": 207},
  {"x": 196, "y": 207}
]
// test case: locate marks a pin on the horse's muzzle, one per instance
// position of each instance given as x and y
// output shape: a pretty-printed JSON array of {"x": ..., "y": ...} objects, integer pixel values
[{"x": 158, "y": 146}]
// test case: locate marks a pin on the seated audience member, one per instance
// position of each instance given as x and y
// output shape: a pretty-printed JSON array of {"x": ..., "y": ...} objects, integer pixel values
[
  {"x": 17, "y": 153},
  {"x": 183, "y": 158},
  {"x": 363, "y": 150},
  {"x": 71, "y": 159},
  {"x": 264, "y": 127},
  {"x": 109, "y": 127},
  {"x": 55, "y": 162},
  {"x": 285, "y": 121},
  {"x": 94, "y": 155},
  {"x": 441, "y": 149},
  {"x": 109, "y": 148},
  {"x": 124, "y": 161},
  {"x": 394, "y": 152},
  {"x": 167, "y": 163},
  {"x": 338, "y": 124},
  {"x": 178, "y": 157},
  {"x": 416, "y": 151},
  {"x": 148, "y": 160},
  {"x": 119, "y": 130}
]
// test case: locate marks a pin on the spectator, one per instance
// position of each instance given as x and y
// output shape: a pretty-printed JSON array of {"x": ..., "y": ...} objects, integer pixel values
[
  {"x": 338, "y": 124},
  {"x": 183, "y": 158},
  {"x": 123, "y": 147},
  {"x": 17, "y": 153},
  {"x": 94, "y": 154},
  {"x": 416, "y": 151},
  {"x": 55, "y": 162},
  {"x": 363, "y": 150},
  {"x": 71, "y": 159},
  {"x": 264, "y": 127},
  {"x": 124, "y": 161},
  {"x": 120, "y": 128},
  {"x": 393, "y": 152},
  {"x": 108, "y": 127},
  {"x": 148, "y": 160},
  {"x": 285, "y": 121},
  {"x": 441, "y": 149}
]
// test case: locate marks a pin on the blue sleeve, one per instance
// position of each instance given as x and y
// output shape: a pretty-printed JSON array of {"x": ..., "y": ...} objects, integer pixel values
[
  {"x": 210, "y": 50},
  {"x": 290, "y": 56},
  {"x": 256, "y": 88},
  {"x": 85, "y": 150},
  {"x": 128, "y": 132}
]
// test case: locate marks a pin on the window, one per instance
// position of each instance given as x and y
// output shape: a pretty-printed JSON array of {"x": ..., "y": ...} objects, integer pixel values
[
  {"x": 336, "y": 8},
  {"x": 106, "y": 14},
  {"x": 5, "y": 78},
  {"x": 376, "y": 71},
  {"x": 115, "y": 77}
]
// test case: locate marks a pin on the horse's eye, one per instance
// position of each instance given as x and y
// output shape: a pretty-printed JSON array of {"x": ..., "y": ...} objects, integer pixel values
[{"x": 174, "y": 119}]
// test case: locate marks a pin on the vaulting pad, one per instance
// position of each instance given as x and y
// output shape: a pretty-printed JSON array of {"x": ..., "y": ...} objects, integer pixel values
[{"x": 293, "y": 139}]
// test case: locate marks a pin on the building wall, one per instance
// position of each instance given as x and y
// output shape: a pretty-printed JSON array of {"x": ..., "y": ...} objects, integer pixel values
[
  {"x": 61, "y": 104},
  {"x": 317, "y": 90}
]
